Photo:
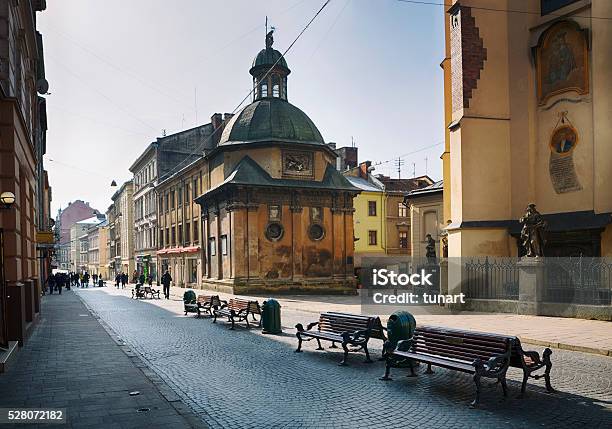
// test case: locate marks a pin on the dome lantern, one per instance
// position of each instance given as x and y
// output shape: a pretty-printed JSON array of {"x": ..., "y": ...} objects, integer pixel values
[{"x": 269, "y": 72}]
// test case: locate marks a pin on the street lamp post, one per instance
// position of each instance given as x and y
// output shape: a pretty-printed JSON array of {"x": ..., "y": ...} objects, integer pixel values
[{"x": 7, "y": 199}]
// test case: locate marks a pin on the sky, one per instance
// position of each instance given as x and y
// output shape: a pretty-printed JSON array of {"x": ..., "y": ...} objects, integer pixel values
[{"x": 122, "y": 71}]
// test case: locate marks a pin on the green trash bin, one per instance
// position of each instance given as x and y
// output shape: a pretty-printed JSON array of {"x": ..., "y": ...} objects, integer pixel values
[
  {"x": 270, "y": 317},
  {"x": 400, "y": 326}
]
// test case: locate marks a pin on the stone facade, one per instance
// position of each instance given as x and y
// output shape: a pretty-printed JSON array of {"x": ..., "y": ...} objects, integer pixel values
[
  {"x": 145, "y": 171},
  {"x": 277, "y": 216},
  {"x": 124, "y": 229},
  {"x": 535, "y": 130},
  {"x": 179, "y": 231}
]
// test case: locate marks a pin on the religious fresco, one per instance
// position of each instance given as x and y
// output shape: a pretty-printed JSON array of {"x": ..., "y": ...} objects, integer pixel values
[
  {"x": 561, "y": 166},
  {"x": 562, "y": 61},
  {"x": 564, "y": 140}
]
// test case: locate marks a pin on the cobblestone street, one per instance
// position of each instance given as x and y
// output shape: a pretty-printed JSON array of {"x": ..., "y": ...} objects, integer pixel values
[{"x": 243, "y": 378}]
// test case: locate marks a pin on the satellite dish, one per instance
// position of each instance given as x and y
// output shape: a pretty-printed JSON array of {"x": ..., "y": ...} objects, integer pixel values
[{"x": 42, "y": 86}]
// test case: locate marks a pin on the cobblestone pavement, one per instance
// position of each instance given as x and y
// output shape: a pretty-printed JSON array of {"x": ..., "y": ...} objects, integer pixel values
[
  {"x": 593, "y": 336},
  {"x": 244, "y": 379},
  {"x": 71, "y": 362}
]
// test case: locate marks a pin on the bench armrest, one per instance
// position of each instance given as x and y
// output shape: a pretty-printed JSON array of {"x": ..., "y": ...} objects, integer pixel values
[
  {"x": 404, "y": 345},
  {"x": 312, "y": 325},
  {"x": 300, "y": 327},
  {"x": 363, "y": 333}
]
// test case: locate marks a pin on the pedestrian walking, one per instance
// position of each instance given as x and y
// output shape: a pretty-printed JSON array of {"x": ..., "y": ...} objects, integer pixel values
[
  {"x": 141, "y": 279},
  {"x": 124, "y": 280},
  {"x": 95, "y": 279},
  {"x": 166, "y": 279},
  {"x": 150, "y": 280},
  {"x": 117, "y": 280},
  {"x": 51, "y": 280}
]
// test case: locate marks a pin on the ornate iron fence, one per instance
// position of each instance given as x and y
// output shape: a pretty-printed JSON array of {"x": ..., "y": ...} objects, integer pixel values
[
  {"x": 578, "y": 280},
  {"x": 492, "y": 278}
]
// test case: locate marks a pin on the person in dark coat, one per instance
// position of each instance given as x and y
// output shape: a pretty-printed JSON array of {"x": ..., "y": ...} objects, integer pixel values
[
  {"x": 51, "y": 280},
  {"x": 124, "y": 280},
  {"x": 141, "y": 279},
  {"x": 166, "y": 279}
]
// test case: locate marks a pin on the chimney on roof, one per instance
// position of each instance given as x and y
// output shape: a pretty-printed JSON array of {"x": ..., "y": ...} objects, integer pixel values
[
  {"x": 364, "y": 169},
  {"x": 227, "y": 117},
  {"x": 216, "y": 120}
]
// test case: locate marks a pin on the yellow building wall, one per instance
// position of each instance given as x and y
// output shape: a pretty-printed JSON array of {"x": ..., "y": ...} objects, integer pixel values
[{"x": 364, "y": 223}]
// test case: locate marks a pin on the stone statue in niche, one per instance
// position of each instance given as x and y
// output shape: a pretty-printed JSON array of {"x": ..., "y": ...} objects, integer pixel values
[
  {"x": 430, "y": 247},
  {"x": 532, "y": 232}
]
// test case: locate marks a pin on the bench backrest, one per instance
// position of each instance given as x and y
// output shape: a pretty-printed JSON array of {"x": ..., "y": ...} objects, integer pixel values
[
  {"x": 338, "y": 323},
  {"x": 213, "y": 300},
  {"x": 459, "y": 345},
  {"x": 238, "y": 304}
]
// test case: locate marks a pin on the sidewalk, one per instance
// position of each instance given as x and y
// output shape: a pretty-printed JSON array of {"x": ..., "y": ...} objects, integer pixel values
[
  {"x": 71, "y": 362},
  {"x": 590, "y": 336}
]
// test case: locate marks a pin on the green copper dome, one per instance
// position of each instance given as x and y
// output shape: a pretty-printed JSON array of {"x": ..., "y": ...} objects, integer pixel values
[
  {"x": 267, "y": 58},
  {"x": 270, "y": 120}
]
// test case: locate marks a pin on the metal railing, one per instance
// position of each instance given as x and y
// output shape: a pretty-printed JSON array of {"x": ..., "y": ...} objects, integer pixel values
[
  {"x": 578, "y": 280},
  {"x": 492, "y": 278}
]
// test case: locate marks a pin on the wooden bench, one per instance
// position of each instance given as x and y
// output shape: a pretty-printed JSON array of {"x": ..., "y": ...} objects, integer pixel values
[
  {"x": 238, "y": 310},
  {"x": 346, "y": 329},
  {"x": 477, "y": 353},
  {"x": 138, "y": 292},
  {"x": 149, "y": 291},
  {"x": 204, "y": 303}
]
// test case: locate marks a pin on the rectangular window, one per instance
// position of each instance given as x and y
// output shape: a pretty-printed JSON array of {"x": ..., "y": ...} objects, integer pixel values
[
  {"x": 187, "y": 199},
  {"x": 187, "y": 233},
  {"x": 402, "y": 210},
  {"x": 371, "y": 208},
  {"x": 224, "y": 244},
  {"x": 161, "y": 240},
  {"x": 180, "y": 197},
  {"x": 167, "y": 202},
  {"x": 167, "y": 237},
  {"x": 195, "y": 188},
  {"x": 192, "y": 270},
  {"x": 403, "y": 239},
  {"x": 372, "y": 238},
  {"x": 180, "y": 234},
  {"x": 212, "y": 246},
  {"x": 172, "y": 200},
  {"x": 548, "y": 6},
  {"x": 173, "y": 235},
  {"x": 196, "y": 237}
]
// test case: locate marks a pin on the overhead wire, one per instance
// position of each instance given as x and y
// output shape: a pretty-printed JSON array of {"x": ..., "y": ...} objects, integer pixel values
[
  {"x": 493, "y": 9},
  {"x": 189, "y": 157}
]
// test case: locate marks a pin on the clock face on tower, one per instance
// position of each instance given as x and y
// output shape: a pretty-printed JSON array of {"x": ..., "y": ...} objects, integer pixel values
[{"x": 298, "y": 164}]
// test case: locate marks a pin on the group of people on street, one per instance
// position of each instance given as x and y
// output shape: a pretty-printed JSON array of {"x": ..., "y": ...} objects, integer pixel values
[
  {"x": 59, "y": 280},
  {"x": 121, "y": 279}
]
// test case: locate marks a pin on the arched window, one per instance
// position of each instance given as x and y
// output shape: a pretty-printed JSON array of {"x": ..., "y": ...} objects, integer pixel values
[
  {"x": 263, "y": 89},
  {"x": 275, "y": 86}
]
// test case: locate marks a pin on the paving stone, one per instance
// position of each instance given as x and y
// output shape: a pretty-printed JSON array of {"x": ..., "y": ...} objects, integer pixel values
[
  {"x": 71, "y": 362},
  {"x": 279, "y": 388}
]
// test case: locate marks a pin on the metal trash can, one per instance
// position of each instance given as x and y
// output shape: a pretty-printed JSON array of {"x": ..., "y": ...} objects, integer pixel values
[
  {"x": 189, "y": 297},
  {"x": 400, "y": 326},
  {"x": 271, "y": 317}
]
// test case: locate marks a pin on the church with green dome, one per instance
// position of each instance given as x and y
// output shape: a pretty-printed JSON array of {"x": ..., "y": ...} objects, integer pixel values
[{"x": 276, "y": 214}]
